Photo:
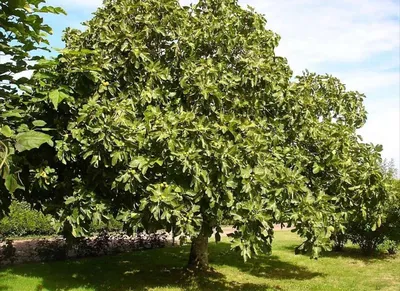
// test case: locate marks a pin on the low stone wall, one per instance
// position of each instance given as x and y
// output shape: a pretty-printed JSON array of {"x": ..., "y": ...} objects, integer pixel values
[{"x": 39, "y": 250}]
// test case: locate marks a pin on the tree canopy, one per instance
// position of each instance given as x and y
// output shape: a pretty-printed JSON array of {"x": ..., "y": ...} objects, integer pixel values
[
  {"x": 180, "y": 117},
  {"x": 22, "y": 32}
]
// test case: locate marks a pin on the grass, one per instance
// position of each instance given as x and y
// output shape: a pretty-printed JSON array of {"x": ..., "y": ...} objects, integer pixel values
[{"x": 162, "y": 269}]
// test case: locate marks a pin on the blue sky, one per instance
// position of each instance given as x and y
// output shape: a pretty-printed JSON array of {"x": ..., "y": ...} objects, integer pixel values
[{"x": 357, "y": 41}]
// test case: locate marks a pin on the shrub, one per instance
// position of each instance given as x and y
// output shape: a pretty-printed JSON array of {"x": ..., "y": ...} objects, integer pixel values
[
  {"x": 371, "y": 232},
  {"x": 23, "y": 221},
  {"x": 393, "y": 213},
  {"x": 366, "y": 237},
  {"x": 369, "y": 235},
  {"x": 390, "y": 246}
]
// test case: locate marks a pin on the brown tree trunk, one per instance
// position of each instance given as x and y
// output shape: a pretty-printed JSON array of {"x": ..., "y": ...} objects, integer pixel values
[{"x": 198, "y": 258}]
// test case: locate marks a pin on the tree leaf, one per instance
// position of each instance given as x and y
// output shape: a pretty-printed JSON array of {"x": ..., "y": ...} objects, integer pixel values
[
  {"x": 70, "y": 200},
  {"x": 379, "y": 148},
  {"x": 11, "y": 113},
  {"x": 31, "y": 139},
  {"x": 6, "y": 131},
  {"x": 16, "y": 3},
  {"x": 316, "y": 168},
  {"x": 57, "y": 97},
  {"x": 12, "y": 183},
  {"x": 39, "y": 123}
]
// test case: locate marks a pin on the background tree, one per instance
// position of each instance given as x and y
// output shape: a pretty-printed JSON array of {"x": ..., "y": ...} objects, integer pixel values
[
  {"x": 170, "y": 116},
  {"x": 22, "y": 31}
]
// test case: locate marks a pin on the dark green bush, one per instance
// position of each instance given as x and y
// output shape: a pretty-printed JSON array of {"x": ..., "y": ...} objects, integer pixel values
[
  {"x": 367, "y": 238},
  {"x": 23, "y": 221}
]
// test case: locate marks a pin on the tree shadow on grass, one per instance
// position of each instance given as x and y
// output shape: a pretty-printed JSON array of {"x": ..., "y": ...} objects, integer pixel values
[
  {"x": 357, "y": 254},
  {"x": 349, "y": 252},
  {"x": 262, "y": 266},
  {"x": 142, "y": 270}
]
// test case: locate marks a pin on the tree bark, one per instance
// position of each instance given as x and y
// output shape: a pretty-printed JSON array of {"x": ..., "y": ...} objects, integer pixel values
[{"x": 198, "y": 258}]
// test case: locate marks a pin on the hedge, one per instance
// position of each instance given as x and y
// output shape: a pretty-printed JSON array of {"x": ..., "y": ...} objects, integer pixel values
[{"x": 23, "y": 221}]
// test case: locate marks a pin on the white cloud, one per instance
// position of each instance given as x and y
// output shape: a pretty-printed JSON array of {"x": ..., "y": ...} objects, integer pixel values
[
  {"x": 4, "y": 58},
  {"x": 26, "y": 73},
  {"x": 368, "y": 81},
  {"x": 316, "y": 31},
  {"x": 7, "y": 59},
  {"x": 382, "y": 126}
]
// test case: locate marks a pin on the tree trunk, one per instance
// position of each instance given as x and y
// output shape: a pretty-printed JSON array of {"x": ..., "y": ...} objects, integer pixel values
[{"x": 198, "y": 258}]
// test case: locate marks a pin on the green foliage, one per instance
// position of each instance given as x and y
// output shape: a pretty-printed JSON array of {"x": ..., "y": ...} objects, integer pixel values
[
  {"x": 367, "y": 238},
  {"x": 369, "y": 233},
  {"x": 390, "y": 246},
  {"x": 23, "y": 221},
  {"x": 22, "y": 32},
  {"x": 181, "y": 117},
  {"x": 110, "y": 225},
  {"x": 392, "y": 220}
]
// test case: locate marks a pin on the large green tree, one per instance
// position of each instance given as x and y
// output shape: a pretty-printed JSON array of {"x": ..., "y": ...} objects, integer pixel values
[
  {"x": 22, "y": 31},
  {"x": 180, "y": 117}
]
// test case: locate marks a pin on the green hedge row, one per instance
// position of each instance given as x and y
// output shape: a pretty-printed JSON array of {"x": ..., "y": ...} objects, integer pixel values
[{"x": 23, "y": 221}]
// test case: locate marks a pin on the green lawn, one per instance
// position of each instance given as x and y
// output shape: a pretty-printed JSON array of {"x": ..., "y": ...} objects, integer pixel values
[{"x": 162, "y": 270}]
